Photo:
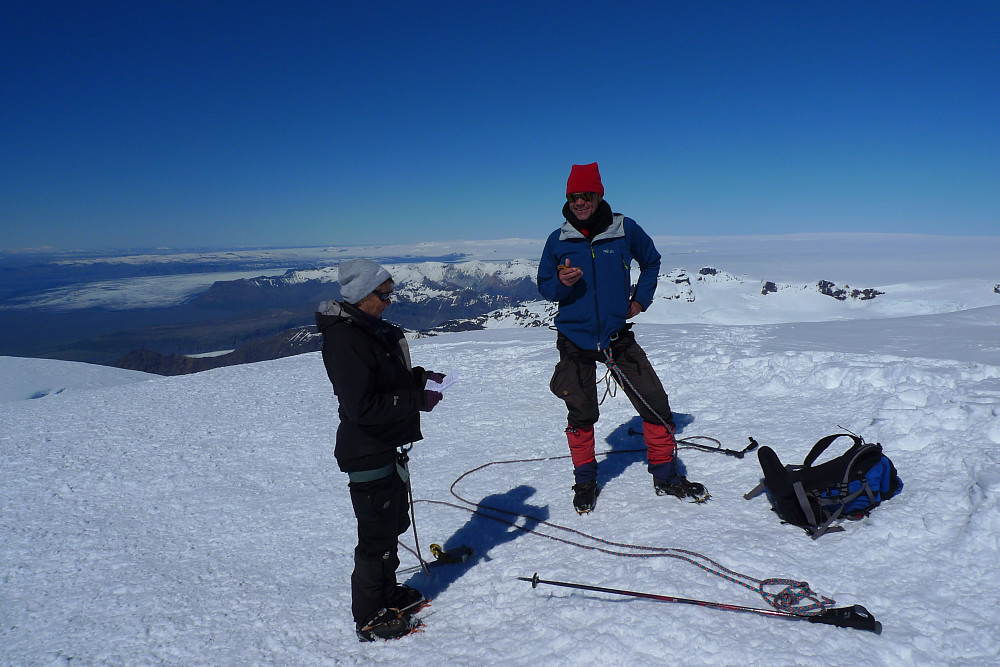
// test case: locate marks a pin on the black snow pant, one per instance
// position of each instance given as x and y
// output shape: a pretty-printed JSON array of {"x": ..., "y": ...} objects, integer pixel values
[
  {"x": 382, "y": 509},
  {"x": 575, "y": 380}
]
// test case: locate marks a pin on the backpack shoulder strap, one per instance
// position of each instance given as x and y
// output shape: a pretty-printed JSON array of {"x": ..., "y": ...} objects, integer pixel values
[
  {"x": 755, "y": 491},
  {"x": 816, "y": 527},
  {"x": 800, "y": 495},
  {"x": 864, "y": 450},
  {"x": 823, "y": 443}
]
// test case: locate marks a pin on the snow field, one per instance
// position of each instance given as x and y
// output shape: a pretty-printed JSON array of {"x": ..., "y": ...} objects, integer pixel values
[{"x": 202, "y": 519}]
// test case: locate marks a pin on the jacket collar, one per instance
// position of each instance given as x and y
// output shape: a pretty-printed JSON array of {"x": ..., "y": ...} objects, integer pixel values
[
  {"x": 615, "y": 229},
  {"x": 330, "y": 312}
]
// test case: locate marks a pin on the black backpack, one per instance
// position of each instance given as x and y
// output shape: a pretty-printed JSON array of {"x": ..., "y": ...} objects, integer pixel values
[{"x": 813, "y": 497}]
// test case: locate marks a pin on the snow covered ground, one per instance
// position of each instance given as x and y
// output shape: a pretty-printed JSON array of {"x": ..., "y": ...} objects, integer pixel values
[
  {"x": 202, "y": 519},
  {"x": 26, "y": 379}
]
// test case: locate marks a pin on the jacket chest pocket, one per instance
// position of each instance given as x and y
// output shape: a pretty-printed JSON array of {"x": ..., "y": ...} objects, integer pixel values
[{"x": 390, "y": 368}]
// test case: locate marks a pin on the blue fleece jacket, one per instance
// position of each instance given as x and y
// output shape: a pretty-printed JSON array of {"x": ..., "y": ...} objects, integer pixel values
[{"x": 595, "y": 308}]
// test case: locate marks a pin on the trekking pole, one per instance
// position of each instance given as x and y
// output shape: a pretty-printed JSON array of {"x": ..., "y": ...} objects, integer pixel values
[
  {"x": 843, "y": 617},
  {"x": 404, "y": 459},
  {"x": 719, "y": 449},
  {"x": 689, "y": 442}
]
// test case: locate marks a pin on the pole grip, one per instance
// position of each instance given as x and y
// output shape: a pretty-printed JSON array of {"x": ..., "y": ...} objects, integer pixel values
[{"x": 856, "y": 617}]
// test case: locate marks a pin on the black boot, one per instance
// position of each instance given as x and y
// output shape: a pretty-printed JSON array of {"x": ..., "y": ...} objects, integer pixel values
[
  {"x": 585, "y": 496},
  {"x": 388, "y": 623},
  {"x": 408, "y": 599},
  {"x": 681, "y": 488}
]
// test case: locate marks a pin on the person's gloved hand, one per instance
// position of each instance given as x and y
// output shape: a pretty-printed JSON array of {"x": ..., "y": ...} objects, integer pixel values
[
  {"x": 431, "y": 398},
  {"x": 435, "y": 377}
]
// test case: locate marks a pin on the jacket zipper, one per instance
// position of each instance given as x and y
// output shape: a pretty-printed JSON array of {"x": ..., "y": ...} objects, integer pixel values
[{"x": 597, "y": 310}]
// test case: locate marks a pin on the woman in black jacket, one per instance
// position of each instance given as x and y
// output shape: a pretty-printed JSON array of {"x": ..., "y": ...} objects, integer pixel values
[{"x": 380, "y": 399}]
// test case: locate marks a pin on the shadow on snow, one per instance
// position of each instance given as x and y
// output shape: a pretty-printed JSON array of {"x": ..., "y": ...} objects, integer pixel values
[
  {"x": 491, "y": 524},
  {"x": 627, "y": 447},
  {"x": 483, "y": 531}
]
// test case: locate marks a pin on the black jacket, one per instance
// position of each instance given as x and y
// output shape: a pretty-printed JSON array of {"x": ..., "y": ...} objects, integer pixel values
[{"x": 380, "y": 395}]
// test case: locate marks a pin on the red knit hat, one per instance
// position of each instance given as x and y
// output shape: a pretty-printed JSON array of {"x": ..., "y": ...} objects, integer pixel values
[{"x": 585, "y": 178}]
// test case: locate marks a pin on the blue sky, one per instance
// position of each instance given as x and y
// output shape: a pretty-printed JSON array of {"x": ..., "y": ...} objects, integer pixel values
[{"x": 193, "y": 124}]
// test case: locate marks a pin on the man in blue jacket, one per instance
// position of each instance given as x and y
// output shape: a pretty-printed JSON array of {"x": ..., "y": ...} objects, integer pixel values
[{"x": 586, "y": 268}]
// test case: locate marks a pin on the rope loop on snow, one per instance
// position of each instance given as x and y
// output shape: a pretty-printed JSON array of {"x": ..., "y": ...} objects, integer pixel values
[
  {"x": 787, "y": 599},
  {"x": 790, "y": 597}
]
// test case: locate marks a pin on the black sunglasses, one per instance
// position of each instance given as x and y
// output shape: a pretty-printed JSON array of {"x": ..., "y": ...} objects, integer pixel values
[
  {"x": 585, "y": 196},
  {"x": 383, "y": 296}
]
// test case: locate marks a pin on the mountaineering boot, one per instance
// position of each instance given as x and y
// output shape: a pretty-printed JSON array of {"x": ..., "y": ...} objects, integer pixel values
[
  {"x": 388, "y": 623},
  {"x": 585, "y": 496},
  {"x": 407, "y": 599},
  {"x": 680, "y": 487}
]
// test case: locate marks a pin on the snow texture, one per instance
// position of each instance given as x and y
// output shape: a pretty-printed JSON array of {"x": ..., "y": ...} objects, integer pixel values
[{"x": 202, "y": 519}]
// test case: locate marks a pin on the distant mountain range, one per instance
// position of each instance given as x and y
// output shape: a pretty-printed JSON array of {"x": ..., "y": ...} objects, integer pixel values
[
  {"x": 175, "y": 313},
  {"x": 430, "y": 298}
]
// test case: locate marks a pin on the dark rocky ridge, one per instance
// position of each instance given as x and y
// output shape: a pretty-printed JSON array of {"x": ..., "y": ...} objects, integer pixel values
[
  {"x": 416, "y": 307},
  {"x": 285, "y": 344},
  {"x": 842, "y": 293}
]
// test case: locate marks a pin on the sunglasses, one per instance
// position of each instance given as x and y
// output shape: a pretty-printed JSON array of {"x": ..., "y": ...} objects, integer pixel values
[
  {"x": 383, "y": 296},
  {"x": 585, "y": 196}
]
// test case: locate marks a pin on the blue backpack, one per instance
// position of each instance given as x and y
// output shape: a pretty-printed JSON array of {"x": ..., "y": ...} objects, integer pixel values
[{"x": 846, "y": 487}]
